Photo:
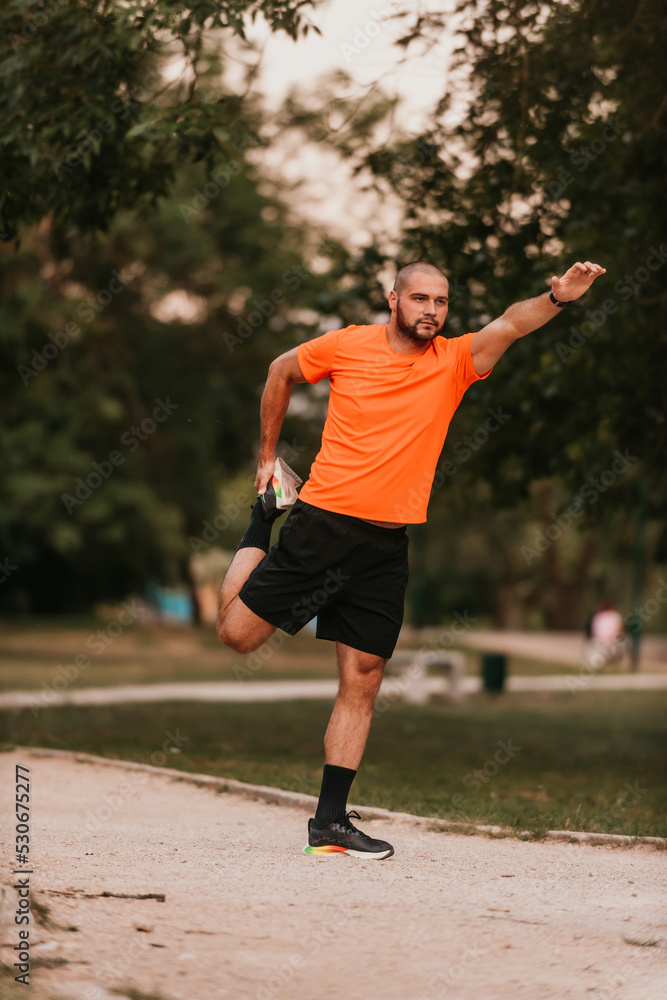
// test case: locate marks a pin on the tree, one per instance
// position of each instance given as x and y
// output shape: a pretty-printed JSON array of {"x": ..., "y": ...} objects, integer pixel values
[
  {"x": 132, "y": 366},
  {"x": 561, "y": 156},
  {"x": 90, "y": 124},
  {"x": 148, "y": 291}
]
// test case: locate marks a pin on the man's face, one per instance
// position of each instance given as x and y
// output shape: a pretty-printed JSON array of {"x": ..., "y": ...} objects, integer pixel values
[{"x": 421, "y": 308}]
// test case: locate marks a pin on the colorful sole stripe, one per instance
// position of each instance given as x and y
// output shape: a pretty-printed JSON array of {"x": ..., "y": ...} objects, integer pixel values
[{"x": 327, "y": 849}]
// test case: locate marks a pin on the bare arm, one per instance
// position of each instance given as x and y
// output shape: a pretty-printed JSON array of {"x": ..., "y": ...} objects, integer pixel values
[
  {"x": 283, "y": 373},
  {"x": 492, "y": 341}
]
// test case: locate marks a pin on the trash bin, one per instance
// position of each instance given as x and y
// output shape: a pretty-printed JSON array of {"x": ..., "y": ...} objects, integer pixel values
[{"x": 494, "y": 671}]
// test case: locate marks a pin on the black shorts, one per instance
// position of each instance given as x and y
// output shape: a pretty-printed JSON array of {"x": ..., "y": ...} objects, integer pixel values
[{"x": 349, "y": 573}]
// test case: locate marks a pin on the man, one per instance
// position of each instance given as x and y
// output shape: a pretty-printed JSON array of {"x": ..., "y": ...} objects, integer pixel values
[{"x": 342, "y": 553}]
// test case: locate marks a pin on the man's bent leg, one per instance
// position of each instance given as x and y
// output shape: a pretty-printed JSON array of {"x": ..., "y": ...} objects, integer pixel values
[
  {"x": 239, "y": 627},
  {"x": 242, "y": 565}
]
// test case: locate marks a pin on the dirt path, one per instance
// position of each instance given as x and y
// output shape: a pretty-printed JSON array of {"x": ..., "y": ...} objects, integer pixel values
[{"x": 247, "y": 915}]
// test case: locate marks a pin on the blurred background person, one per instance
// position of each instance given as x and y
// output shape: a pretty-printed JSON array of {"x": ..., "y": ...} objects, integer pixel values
[{"x": 606, "y": 639}]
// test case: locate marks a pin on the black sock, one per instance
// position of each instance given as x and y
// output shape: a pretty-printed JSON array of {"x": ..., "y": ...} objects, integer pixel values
[
  {"x": 258, "y": 533},
  {"x": 336, "y": 783}
]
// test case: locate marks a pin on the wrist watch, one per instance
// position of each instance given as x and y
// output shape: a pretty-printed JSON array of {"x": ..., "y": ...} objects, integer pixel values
[{"x": 556, "y": 302}]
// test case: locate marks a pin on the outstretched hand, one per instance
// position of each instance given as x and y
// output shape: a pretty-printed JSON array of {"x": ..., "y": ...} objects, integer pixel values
[{"x": 576, "y": 280}]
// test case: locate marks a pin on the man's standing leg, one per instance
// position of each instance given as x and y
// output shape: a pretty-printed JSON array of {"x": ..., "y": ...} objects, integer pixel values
[{"x": 360, "y": 675}]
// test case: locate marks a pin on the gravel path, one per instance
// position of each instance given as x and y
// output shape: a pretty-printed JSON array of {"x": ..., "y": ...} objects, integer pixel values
[{"x": 247, "y": 915}]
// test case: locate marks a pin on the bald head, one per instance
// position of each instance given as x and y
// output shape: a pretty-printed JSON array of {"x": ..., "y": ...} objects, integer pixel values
[{"x": 409, "y": 272}]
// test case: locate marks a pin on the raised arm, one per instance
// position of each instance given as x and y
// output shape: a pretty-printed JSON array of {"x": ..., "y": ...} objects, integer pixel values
[
  {"x": 487, "y": 346},
  {"x": 283, "y": 373}
]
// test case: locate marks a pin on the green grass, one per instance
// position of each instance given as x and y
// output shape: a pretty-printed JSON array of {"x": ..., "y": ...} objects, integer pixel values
[
  {"x": 34, "y": 656},
  {"x": 578, "y": 754},
  {"x": 148, "y": 655}
]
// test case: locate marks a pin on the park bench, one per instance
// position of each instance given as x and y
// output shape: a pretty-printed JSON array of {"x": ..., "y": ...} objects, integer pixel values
[{"x": 419, "y": 674}]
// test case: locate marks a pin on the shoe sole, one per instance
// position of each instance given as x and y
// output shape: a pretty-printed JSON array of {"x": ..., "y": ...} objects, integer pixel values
[{"x": 334, "y": 849}]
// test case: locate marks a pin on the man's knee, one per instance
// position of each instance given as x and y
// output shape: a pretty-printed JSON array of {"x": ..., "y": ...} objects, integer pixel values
[
  {"x": 362, "y": 682},
  {"x": 368, "y": 665},
  {"x": 234, "y": 638}
]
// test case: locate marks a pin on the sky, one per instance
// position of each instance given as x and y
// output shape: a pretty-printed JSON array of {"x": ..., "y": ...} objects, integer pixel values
[{"x": 357, "y": 36}]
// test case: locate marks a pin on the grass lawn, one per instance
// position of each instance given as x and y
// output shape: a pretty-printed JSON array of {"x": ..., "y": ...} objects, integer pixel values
[
  {"x": 594, "y": 761},
  {"x": 32, "y": 654}
]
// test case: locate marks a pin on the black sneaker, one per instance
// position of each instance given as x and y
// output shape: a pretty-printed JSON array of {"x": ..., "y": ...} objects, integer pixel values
[
  {"x": 267, "y": 502},
  {"x": 343, "y": 837}
]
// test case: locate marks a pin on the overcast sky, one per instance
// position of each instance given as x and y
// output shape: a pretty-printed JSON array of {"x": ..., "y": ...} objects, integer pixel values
[{"x": 357, "y": 36}]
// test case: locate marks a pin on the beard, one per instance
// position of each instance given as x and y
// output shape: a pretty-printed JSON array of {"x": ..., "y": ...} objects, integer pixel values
[{"x": 413, "y": 331}]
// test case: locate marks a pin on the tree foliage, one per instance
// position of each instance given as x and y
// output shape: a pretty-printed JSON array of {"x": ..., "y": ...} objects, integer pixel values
[
  {"x": 89, "y": 122},
  {"x": 559, "y": 156},
  {"x": 175, "y": 313}
]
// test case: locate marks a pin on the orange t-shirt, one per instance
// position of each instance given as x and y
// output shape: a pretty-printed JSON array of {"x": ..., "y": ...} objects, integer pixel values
[{"x": 388, "y": 417}]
